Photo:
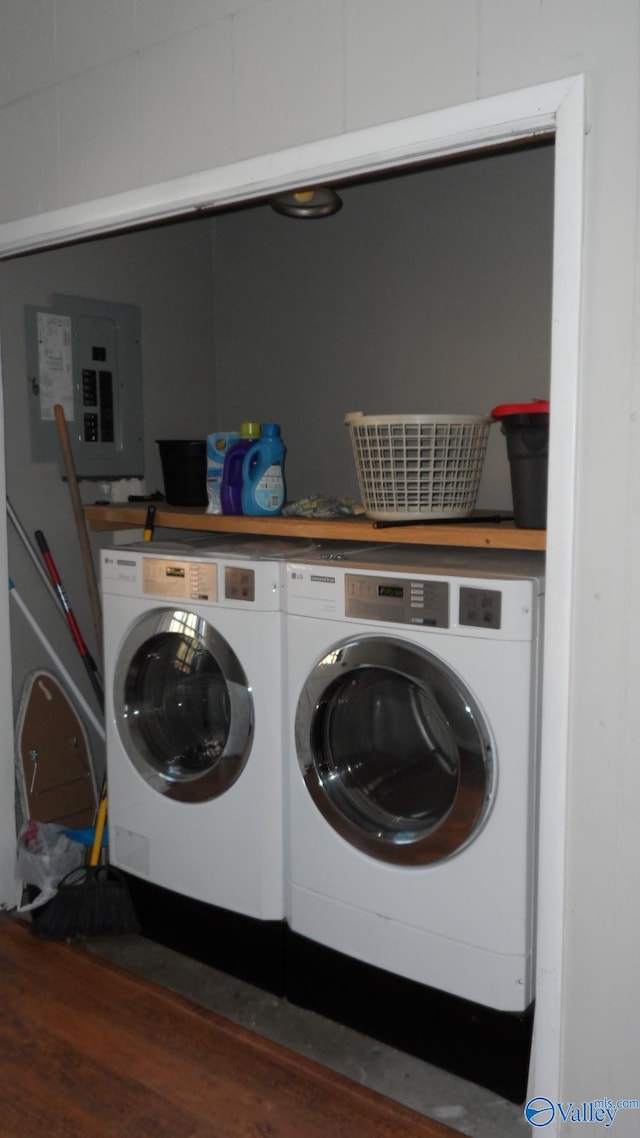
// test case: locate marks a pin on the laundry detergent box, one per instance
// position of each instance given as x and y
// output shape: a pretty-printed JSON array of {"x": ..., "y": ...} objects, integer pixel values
[{"x": 218, "y": 444}]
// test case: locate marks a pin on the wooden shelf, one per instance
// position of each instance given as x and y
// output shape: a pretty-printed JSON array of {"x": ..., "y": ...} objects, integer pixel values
[{"x": 477, "y": 533}]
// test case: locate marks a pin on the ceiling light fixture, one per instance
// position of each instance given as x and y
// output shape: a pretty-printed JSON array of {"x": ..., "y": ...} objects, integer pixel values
[{"x": 307, "y": 203}]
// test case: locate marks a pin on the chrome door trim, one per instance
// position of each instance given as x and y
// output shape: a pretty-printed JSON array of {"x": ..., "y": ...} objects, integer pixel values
[
  {"x": 476, "y": 780},
  {"x": 229, "y": 764}
]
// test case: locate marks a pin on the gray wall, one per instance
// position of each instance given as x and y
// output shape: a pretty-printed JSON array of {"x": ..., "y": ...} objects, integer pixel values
[
  {"x": 167, "y": 272},
  {"x": 429, "y": 292}
]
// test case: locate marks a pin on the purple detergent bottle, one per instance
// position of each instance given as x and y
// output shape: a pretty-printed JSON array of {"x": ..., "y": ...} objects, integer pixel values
[{"x": 232, "y": 480}]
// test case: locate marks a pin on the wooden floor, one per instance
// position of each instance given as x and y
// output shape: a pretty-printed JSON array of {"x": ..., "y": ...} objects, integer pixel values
[{"x": 88, "y": 1050}]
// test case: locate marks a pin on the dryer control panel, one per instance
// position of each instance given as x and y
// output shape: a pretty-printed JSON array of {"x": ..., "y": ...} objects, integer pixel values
[
  {"x": 401, "y": 600},
  {"x": 480, "y": 608}
]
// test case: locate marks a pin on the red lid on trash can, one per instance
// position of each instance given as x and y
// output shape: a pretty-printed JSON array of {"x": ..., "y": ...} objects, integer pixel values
[{"x": 533, "y": 407}]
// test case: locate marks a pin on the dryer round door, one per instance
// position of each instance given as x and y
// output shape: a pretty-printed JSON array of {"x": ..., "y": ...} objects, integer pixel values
[
  {"x": 183, "y": 705},
  {"x": 395, "y": 750}
]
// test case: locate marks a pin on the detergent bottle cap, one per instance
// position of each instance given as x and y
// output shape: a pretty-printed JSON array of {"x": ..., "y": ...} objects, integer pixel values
[
  {"x": 271, "y": 430},
  {"x": 249, "y": 430}
]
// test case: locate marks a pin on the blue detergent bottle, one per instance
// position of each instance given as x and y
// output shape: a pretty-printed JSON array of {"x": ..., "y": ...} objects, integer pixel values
[
  {"x": 263, "y": 486},
  {"x": 231, "y": 485}
]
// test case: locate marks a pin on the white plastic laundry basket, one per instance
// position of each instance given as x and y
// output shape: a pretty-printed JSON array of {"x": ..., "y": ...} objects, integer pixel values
[{"x": 418, "y": 467}]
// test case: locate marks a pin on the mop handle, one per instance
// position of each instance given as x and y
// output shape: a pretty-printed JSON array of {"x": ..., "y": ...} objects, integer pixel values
[
  {"x": 87, "y": 658},
  {"x": 81, "y": 525},
  {"x": 24, "y": 538},
  {"x": 62, "y": 596}
]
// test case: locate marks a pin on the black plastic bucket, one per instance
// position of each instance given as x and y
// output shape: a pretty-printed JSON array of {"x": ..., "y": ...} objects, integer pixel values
[
  {"x": 184, "y": 470},
  {"x": 526, "y": 429}
]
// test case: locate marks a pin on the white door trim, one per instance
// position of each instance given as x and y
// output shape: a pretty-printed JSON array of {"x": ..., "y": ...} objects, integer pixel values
[
  {"x": 546, "y": 1068},
  {"x": 486, "y": 122}
]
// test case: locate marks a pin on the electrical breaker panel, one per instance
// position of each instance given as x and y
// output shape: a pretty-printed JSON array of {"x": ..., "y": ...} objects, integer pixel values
[{"x": 85, "y": 355}]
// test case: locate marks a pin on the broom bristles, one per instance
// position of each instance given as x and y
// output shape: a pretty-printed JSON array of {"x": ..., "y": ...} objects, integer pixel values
[{"x": 91, "y": 901}]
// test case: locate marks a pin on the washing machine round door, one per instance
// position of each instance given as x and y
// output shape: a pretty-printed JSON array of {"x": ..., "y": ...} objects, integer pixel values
[
  {"x": 394, "y": 750},
  {"x": 183, "y": 705}
]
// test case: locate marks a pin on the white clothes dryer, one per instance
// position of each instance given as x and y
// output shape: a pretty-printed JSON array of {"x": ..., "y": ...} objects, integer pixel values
[{"x": 413, "y": 713}]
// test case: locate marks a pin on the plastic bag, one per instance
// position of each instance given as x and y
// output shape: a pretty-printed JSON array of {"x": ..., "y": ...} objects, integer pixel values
[{"x": 45, "y": 856}]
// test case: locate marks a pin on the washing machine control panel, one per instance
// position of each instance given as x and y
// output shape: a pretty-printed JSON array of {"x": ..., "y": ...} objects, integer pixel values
[
  {"x": 179, "y": 580},
  {"x": 239, "y": 584},
  {"x": 401, "y": 600}
]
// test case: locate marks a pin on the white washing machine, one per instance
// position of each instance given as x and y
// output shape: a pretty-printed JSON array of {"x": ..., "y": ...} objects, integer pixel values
[
  {"x": 193, "y": 663},
  {"x": 413, "y": 712}
]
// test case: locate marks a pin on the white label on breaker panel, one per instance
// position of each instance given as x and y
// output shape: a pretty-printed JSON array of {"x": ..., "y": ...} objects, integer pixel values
[{"x": 55, "y": 375}]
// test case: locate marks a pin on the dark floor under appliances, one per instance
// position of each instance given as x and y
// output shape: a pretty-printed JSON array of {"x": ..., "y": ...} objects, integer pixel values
[
  {"x": 487, "y": 1047},
  {"x": 90, "y": 1050},
  {"x": 252, "y": 950}
]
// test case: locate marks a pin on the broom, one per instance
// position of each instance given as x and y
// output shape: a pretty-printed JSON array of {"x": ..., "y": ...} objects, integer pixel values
[{"x": 92, "y": 900}]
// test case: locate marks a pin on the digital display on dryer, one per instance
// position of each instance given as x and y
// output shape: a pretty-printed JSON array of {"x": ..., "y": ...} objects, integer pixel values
[{"x": 390, "y": 591}]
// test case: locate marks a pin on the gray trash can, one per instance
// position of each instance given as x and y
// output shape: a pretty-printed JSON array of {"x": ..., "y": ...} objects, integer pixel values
[{"x": 526, "y": 428}]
